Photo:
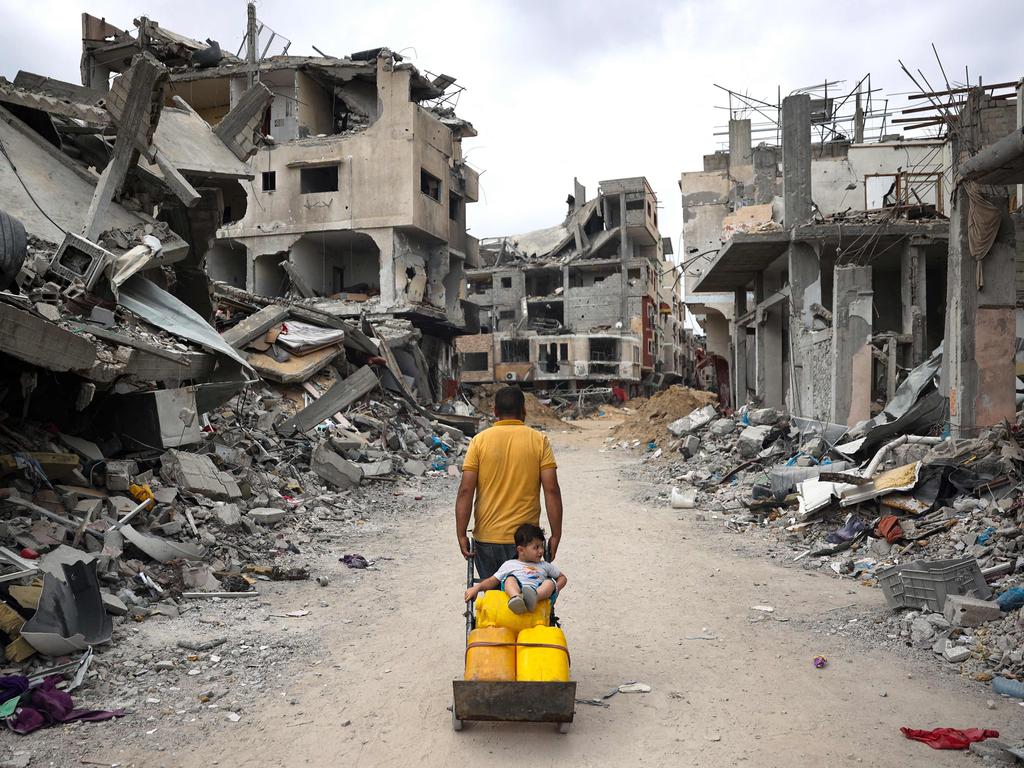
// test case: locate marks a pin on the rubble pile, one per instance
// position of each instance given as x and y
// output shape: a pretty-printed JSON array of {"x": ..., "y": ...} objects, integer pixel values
[
  {"x": 539, "y": 414},
  {"x": 934, "y": 522},
  {"x": 648, "y": 419}
]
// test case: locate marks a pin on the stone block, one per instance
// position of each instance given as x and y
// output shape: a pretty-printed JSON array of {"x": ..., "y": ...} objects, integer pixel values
[
  {"x": 751, "y": 440},
  {"x": 228, "y": 514},
  {"x": 689, "y": 446},
  {"x": 722, "y": 427},
  {"x": 267, "y": 515},
  {"x": 414, "y": 467},
  {"x": 961, "y": 611},
  {"x": 335, "y": 470},
  {"x": 680, "y": 427},
  {"x": 196, "y": 473},
  {"x": 765, "y": 417},
  {"x": 955, "y": 654}
]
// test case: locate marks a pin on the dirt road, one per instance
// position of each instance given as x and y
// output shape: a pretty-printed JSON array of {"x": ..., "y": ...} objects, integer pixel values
[{"x": 642, "y": 581}]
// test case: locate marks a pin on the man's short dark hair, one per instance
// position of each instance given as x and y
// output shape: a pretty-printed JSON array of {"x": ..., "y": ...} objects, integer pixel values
[
  {"x": 510, "y": 401},
  {"x": 528, "y": 532}
]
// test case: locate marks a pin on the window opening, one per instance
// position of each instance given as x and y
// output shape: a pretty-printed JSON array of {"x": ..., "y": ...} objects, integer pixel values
[
  {"x": 321, "y": 179},
  {"x": 430, "y": 185}
]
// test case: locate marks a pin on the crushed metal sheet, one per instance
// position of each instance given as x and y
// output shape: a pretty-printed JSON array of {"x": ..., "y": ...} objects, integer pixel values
[
  {"x": 70, "y": 616},
  {"x": 162, "y": 550}
]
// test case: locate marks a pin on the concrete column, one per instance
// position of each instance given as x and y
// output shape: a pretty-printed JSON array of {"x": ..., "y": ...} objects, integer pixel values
[
  {"x": 851, "y": 345},
  {"x": 623, "y": 246},
  {"x": 740, "y": 151},
  {"x": 804, "y": 266},
  {"x": 796, "y": 158},
  {"x": 768, "y": 343},
  {"x": 913, "y": 303},
  {"x": 1020, "y": 124},
  {"x": 739, "y": 346},
  {"x": 980, "y": 324}
]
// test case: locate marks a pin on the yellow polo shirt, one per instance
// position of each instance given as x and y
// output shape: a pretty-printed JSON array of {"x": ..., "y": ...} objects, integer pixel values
[{"x": 507, "y": 458}]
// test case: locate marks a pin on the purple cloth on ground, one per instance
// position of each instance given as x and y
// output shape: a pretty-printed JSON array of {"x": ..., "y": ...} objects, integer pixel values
[
  {"x": 11, "y": 686},
  {"x": 46, "y": 705},
  {"x": 355, "y": 561}
]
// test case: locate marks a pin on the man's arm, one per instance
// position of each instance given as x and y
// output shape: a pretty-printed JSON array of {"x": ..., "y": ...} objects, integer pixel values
[
  {"x": 464, "y": 509},
  {"x": 553, "y": 505}
]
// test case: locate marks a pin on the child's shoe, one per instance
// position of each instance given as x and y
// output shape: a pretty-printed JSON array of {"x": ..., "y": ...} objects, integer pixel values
[
  {"x": 530, "y": 598},
  {"x": 517, "y": 605}
]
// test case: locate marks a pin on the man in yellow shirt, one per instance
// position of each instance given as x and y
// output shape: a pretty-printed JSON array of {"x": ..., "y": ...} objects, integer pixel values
[{"x": 505, "y": 468}]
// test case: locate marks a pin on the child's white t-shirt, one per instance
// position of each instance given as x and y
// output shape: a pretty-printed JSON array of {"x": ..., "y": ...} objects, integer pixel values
[{"x": 529, "y": 574}]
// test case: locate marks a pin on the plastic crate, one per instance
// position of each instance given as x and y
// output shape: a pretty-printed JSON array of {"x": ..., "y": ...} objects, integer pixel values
[{"x": 926, "y": 584}]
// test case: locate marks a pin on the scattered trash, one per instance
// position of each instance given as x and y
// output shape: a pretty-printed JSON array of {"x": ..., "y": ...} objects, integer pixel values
[
  {"x": 820, "y": 662},
  {"x": 949, "y": 738},
  {"x": 634, "y": 688},
  {"x": 355, "y": 561},
  {"x": 763, "y": 608}
]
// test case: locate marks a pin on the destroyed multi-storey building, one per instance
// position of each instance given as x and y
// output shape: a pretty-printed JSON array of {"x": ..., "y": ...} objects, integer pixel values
[
  {"x": 359, "y": 190},
  {"x": 156, "y": 436},
  {"x": 819, "y": 260},
  {"x": 581, "y": 302}
]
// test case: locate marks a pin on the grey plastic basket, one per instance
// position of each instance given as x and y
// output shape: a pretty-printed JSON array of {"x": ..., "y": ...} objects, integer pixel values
[{"x": 926, "y": 583}]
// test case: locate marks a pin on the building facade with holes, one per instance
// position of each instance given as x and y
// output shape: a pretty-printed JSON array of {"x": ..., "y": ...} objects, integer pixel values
[{"x": 359, "y": 192}]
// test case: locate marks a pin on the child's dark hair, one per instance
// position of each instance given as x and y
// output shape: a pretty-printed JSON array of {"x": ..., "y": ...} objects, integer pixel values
[{"x": 526, "y": 533}]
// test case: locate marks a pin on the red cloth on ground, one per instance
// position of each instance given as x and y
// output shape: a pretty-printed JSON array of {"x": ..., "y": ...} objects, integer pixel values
[
  {"x": 889, "y": 528},
  {"x": 950, "y": 738}
]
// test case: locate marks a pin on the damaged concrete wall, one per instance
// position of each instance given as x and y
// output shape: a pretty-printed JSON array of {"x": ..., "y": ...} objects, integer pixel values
[{"x": 851, "y": 345}]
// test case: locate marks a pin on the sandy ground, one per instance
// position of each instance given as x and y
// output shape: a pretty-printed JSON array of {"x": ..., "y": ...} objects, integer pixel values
[{"x": 642, "y": 581}]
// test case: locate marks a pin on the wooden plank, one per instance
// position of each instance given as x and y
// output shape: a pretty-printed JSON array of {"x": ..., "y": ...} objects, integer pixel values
[
  {"x": 255, "y": 325},
  {"x": 514, "y": 701},
  {"x": 144, "y": 73},
  {"x": 336, "y": 399}
]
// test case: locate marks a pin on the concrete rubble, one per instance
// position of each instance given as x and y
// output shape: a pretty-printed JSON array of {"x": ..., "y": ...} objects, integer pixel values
[
  {"x": 932, "y": 521},
  {"x": 167, "y": 441}
]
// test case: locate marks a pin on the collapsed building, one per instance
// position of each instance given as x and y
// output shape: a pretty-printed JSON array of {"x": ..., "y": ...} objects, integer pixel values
[
  {"x": 823, "y": 265},
  {"x": 162, "y": 438},
  {"x": 589, "y": 301},
  {"x": 357, "y": 201}
]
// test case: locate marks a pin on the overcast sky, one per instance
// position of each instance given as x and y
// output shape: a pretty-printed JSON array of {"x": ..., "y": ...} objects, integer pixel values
[{"x": 563, "y": 88}]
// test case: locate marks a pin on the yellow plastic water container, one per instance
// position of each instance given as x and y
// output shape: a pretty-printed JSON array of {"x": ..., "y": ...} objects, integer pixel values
[
  {"x": 492, "y": 611},
  {"x": 491, "y": 662},
  {"x": 542, "y": 664}
]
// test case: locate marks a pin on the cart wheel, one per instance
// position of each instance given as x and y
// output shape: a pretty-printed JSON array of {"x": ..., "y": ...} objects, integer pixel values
[
  {"x": 456, "y": 723},
  {"x": 564, "y": 727}
]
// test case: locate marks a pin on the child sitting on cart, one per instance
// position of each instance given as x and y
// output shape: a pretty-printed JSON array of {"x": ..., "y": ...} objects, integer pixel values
[{"x": 529, "y": 578}]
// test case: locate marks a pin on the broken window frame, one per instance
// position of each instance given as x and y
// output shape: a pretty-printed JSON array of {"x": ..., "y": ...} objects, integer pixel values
[
  {"x": 895, "y": 191},
  {"x": 430, "y": 185},
  {"x": 474, "y": 362},
  {"x": 268, "y": 181},
  {"x": 515, "y": 350}
]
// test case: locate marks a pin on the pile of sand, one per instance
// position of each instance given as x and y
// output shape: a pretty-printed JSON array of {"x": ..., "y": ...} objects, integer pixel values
[
  {"x": 538, "y": 415},
  {"x": 649, "y": 419}
]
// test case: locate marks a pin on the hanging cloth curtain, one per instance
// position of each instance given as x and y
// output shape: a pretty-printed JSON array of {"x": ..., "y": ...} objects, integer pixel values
[{"x": 983, "y": 220}]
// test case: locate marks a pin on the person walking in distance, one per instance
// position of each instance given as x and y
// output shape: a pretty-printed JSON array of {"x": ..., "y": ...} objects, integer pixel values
[{"x": 505, "y": 468}]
